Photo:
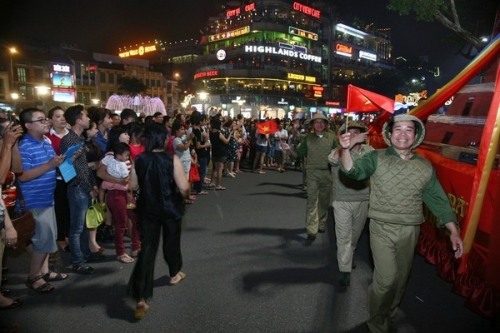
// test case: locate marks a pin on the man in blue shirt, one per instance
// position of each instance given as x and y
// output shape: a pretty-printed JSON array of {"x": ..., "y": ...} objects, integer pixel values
[{"x": 37, "y": 183}]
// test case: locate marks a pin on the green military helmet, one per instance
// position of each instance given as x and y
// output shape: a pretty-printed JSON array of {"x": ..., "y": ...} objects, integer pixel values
[{"x": 419, "y": 128}]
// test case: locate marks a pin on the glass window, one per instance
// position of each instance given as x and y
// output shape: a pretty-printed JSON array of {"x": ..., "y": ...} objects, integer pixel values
[
  {"x": 102, "y": 77},
  {"x": 111, "y": 78},
  {"x": 103, "y": 96},
  {"x": 21, "y": 74}
]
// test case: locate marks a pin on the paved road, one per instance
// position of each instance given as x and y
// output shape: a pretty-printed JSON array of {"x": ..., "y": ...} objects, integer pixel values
[{"x": 247, "y": 271}]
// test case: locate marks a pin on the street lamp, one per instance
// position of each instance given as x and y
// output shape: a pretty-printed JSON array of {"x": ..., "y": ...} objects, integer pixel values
[
  {"x": 95, "y": 101},
  {"x": 203, "y": 98},
  {"x": 14, "y": 97},
  {"x": 42, "y": 91},
  {"x": 12, "y": 51}
]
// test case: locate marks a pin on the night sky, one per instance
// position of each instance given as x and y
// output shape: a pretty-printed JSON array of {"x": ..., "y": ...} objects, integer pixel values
[{"x": 105, "y": 25}]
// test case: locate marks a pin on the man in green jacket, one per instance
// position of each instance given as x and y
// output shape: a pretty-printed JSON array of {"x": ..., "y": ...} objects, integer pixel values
[
  {"x": 401, "y": 181},
  {"x": 316, "y": 146}
]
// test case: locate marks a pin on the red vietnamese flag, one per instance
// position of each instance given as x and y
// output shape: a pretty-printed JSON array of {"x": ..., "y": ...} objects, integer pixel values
[
  {"x": 361, "y": 100},
  {"x": 267, "y": 127}
]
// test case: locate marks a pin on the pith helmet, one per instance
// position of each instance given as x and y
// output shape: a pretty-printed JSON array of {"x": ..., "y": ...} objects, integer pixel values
[
  {"x": 319, "y": 115},
  {"x": 353, "y": 124},
  {"x": 419, "y": 128}
]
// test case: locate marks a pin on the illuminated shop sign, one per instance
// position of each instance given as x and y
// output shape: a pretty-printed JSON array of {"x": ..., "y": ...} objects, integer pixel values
[
  {"x": 344, "y": 50},
  {"x": 302, "y": 33},
  {"x": 367, "y": 55},
  {"x": 206, "y": 74},
  {"x": 283, "y": 102},
  {"x": 63, "y": 95},
  {"x": 229, "y": 34},
  {"x": 300, "y": 77},
  {"x": 138, "y": 52},
  {"x": 62, "y": 80},
  {"x": 58, "y": 68},
  {"x": 221, "y": 55},
  {"x": 237, "y": 11},
  {"x": 318, "y": 91},
  {"x": 306, "y": 10},
  {"x": 281, "y": 51},
  {"x": 331, "y": 103}
]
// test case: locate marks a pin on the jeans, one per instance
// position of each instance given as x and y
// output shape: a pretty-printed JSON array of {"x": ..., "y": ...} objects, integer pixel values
[
  {"x": 198, "y": 186},
  {"x": 79, "y": 201}
]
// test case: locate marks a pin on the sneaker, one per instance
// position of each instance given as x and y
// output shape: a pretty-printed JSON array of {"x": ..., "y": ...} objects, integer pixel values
[
  {"x": 82, "y": 269},
  {"x": 345, "y": 279}
]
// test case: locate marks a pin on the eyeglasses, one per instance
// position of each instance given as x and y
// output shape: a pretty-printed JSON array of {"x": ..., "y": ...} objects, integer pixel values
[{"x": 42, "y": 120}]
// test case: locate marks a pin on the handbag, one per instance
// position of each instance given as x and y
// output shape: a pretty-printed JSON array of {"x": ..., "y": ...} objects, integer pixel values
[
  {"x": 24, "y": 223},
  {"x": 96, "y": 214},
  {"x": 194, "y": 174},
  {"x": 25, "y": 228}
]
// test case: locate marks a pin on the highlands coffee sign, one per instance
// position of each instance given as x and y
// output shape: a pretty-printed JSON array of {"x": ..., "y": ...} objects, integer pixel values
[{"x": 281, "y": 51}]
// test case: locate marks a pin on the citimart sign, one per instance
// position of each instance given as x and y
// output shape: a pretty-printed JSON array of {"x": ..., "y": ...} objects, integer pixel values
[{"x": 281, "y": 51}]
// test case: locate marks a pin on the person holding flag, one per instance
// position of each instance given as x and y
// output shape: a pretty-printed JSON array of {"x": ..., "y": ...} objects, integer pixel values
[
  {"x": 400, "y": 182},
  {"x": 263, "y": 130},
  {"x": 316, "y": 146}
]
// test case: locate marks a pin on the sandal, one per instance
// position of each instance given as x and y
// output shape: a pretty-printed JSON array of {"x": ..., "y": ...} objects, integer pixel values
[
  {"x": 211, "y": 186},
  {"x": 220, "y": 188},
  {"x": 58, "y": 276},
  {"x": 44, "y": 288},
  {"x": 182, "y": 276},
  {"x": 15, "y": 303},
  {"x": 135, "y": 253},
  {"x": 125, "y": 259}
]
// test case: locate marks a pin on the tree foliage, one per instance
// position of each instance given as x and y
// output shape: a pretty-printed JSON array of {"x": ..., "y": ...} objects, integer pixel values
[
  {"x": 469, "y": 19},
  {"x": 131, "y": 86}
]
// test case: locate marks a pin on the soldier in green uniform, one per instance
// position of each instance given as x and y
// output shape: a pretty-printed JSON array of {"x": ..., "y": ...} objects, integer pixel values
[
  {"x": 401, "y": 181},
  {"x": 315, "y": 147}
]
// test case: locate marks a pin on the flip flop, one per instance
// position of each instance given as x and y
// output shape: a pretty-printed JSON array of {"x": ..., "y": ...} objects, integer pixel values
[
  {"x": 125, "y": 259},
  {"x": 202, "y": 193},
  {"x": 220, "y": 188}
]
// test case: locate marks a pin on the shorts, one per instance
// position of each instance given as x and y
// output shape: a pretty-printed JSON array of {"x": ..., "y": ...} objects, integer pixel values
[
  {"x": 261, "y": 149},
  {"x": 44, "y": 239},
  {"x": 278, "y": 156},
  {"x": 219, "y": 159}
]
